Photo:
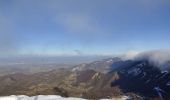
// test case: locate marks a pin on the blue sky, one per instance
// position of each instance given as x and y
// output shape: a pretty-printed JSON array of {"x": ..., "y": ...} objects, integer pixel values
[{"x": 83, "y": 27}]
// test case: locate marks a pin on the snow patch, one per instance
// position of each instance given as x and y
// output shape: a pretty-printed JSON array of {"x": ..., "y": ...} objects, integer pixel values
[
  {"x": 134, "y": 71},
  {"x": 168, "y": 83},
  {"x": 50, "y": 97},
  {"x": 39, "y": 97}
]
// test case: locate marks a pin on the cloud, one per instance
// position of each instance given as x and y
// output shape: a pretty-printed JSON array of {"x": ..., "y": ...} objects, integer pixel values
[
  {"x": 73, "y": 22},
  {"x": 78, "y": 23},
  {"x": 78, "y": 52},
  {"x": 159, "y": 58},
  {"x": 86, "y": 17},
  {"x": 129, "y": 55}
]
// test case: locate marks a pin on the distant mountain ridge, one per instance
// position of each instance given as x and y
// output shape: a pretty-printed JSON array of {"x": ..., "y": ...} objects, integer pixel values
[
  {"x": 102, "y": 66},
  {"x": 138, "y": 76}
]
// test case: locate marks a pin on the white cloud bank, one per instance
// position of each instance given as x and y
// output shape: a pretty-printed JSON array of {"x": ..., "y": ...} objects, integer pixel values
[{"x": 156, "y": 57}]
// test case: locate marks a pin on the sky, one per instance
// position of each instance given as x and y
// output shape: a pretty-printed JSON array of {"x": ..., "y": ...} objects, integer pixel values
[{"x": 83, "y": 27}]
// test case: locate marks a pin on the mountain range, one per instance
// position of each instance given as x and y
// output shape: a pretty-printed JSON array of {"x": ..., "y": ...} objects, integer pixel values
[{"x": 113, "y": 77}]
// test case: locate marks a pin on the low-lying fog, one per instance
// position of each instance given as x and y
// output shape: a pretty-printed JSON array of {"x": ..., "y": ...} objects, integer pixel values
[{"x": 33, "y": 64}]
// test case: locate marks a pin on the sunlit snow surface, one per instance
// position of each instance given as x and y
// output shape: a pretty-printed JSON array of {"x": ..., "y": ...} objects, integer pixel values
[
  {"x": 40, "y": 97},
  {"x": 48, "y": 97}
]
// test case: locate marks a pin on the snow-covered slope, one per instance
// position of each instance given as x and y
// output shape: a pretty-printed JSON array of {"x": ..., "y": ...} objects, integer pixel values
[
  {"x": 143, "y": 77},
  {"x": 49, "y": 97}
]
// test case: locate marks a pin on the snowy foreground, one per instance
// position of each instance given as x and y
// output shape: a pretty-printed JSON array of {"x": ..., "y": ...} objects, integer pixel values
[{"x": 49, "y": 97}]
